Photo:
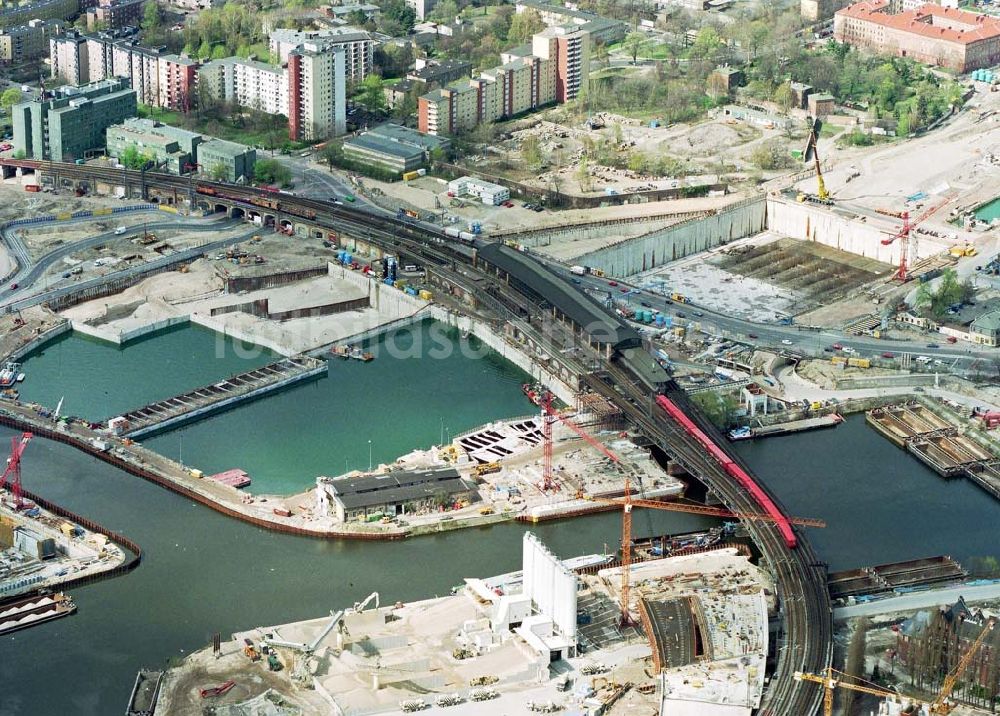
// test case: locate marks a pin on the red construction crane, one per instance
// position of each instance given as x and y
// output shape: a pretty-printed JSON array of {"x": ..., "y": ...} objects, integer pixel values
[
  {"x": 550, "y": 415},
  {"x": 908, "y": 243},
  {"x": 13, "y": 471},
  {"x": 628, "y": 503}
]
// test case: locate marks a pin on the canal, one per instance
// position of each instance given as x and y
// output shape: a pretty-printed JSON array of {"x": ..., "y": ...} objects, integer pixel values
[{"x": 204, "y": 573}]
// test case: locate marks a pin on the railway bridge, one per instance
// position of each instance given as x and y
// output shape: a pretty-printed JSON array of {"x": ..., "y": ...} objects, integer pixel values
[{"x": 609, "y": 354}]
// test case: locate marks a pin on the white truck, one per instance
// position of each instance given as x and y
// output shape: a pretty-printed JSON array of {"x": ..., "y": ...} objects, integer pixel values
[
  {"x": 577, "y": 270},
  {"x": 119, "y": 231}
]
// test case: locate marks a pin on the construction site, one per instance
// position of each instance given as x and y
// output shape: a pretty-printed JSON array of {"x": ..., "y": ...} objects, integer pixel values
[
  {"x": 40, "y": 550},
  {"x": 545, "y": 639}
]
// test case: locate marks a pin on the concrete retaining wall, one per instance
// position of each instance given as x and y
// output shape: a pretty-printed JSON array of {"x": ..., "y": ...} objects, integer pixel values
[
  {"x": 510, "y": 351},
  {"x": 689, "y": 237},
  {"x": 813, "y": 223},
  {"x": 110, "y": 335},
  {"x": 40, "y": 340},
  {"x": 217, "y": 325}
]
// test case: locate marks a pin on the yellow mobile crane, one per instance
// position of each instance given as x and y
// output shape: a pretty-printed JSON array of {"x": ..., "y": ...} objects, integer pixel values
[
  {"x": 834, "y": 679},
  {"x": 812, "y": 152}
]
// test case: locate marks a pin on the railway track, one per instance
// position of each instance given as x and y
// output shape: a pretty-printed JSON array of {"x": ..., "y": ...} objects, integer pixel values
[{"x": 800, "y": 577}]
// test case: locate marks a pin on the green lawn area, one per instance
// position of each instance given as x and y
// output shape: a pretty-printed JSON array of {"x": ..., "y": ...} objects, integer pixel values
[
  {"x": 223, "y": 129},
  {"x": 830, "y": 130}
]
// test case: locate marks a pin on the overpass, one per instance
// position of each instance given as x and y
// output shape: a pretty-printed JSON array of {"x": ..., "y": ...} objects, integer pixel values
[{"x": 548, "y": 308}]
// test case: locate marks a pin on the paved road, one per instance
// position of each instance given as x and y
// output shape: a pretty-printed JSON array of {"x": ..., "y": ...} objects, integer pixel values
[
  {"x": 30, "y": 272},
  {"x": 798, "y": 339},
  {"x": 919, "y": 600}
]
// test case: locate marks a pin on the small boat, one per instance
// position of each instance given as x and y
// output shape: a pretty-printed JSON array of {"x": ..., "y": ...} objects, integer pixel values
[
  {"x": 743, "y": 433},
  {"x": 9, "y": 374},
  {"x": 20, "y": 377},
  {"x": 9, "y": 394},
  {"x": 145, "y": 693},
  {"x": 358, "y": 354},
  {"x": 340, "y": 351}
]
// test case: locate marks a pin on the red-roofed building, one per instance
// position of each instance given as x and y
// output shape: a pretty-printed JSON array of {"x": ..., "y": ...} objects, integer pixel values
[{"x": 934, "y": 35}]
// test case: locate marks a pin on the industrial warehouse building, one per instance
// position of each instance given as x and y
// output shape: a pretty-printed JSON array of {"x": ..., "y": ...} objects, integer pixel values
[
  {"x": 394, "y": 147},
  {"x": 73, "y": 123},
  {"x": 180, "y": 151},
  {"x": 398, "y": 493}
]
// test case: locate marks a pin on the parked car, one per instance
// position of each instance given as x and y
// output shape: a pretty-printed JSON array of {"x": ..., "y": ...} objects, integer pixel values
[
  {"x": 576, "y": 281},
  {"x": 13, "y": 287},
  {"x": 699, "y": 313},
  {"x": 612, "y": 283},
  {"x": 838, "y": 347},
  {"x": 933, "y": 345},
  {"x": 888, "y": 354},
  {"x": 624, "y": 289},
  {"x": 645, "y": 304},
  {"x": 785, "y": 342},
  {"x": 952, "y": 339},
  {"x": 538, "y": 207},
  {"x": 751, "y": 335},
  {"x": 680, "y": 314}
]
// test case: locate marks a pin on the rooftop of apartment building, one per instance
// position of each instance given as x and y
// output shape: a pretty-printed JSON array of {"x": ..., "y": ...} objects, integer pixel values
[
  {"x": 431, "y": 72},
  {"x": 930, "y": 20},
  {"x": 56, "y": 25},
  {"x": 346, "y": 33},
  {"x": 232, "y": 61}
]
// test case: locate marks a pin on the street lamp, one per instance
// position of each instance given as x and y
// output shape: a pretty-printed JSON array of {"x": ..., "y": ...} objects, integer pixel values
[{"x": 369, "y": 456}]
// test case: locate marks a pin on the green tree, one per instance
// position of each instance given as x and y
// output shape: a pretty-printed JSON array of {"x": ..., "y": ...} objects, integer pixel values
[
  {"x": 219, "y": 52},
  {"x": 531, "y": 152},
  {"x": 523, "y": 25},
  {"x": 134, "y": 158},
  {"x": 445, "y": 11},
  {"x": 783, "y": 96},
  {"x": 332, "y": 154},
  {"x": 219, "y": 171},
  {"x": 271, "y": 171},
  {"x": 9, "y": 98},
  {"x": 770, "y": 155},
  {"x": 152, "y": 19},
  {"x": 205, "y": 50},
  {"x": 583, "y": 174},
  {"x": 371, "y": 93},
  {"x": 707, "y": 44},
  {"x": 633, "y": 43}
]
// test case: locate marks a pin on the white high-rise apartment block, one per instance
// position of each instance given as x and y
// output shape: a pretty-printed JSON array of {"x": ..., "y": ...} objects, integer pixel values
[
  {"x": 358, "y": 46},
  {"x": 316, "y": 92}
]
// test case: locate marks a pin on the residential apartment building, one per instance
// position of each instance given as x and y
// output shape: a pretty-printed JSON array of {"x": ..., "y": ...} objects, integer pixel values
[
  {"x": 26, "y": 43},
  {"x": 555, "y": 71},
  {"x": 422, "y": 8},
  {"x": 316, "y": 92},
  {"x": 73, "y": 122},
  {"x": 358, "y": 46},
  {"x": 14, "y": 14},
  {"x": 247, "y": 83},
  {"x": 310, "y": 89},
  {"x": 159, "y": 78},
  {"x": 113, "y": 14},
  {"x": 943, "y": 37},
  {"x": 601, "y": 29}
]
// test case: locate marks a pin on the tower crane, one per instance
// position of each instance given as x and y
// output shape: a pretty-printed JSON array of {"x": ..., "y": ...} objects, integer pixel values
[
  {"x": 13, "y": 471},
  {"x": 550, "y": 415},
  {"x": 627, "y": 503},
  {"x": 833, "y": 679},
  {"x": 908, "y": 240}
]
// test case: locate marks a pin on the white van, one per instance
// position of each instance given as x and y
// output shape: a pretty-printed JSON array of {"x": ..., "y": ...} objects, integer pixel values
[{"x": 923, "y": 359}]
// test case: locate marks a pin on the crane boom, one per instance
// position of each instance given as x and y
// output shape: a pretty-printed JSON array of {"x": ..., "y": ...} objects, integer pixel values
[
  {"x": 697, "y": 509},
  {"x": 951, "y": 679},
  {"x": 13, "y": 469},
  {"x": 833, "y": 679}
]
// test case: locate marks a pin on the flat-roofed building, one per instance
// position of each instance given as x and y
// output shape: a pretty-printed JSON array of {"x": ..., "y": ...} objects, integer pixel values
[
  {"x": 394, "y": 147},
  {"x": 237, "y": 159},
  {"x": 73, "y": 123},
  {"x": 176, "y": 149},
  {"x": 393, "y": 494},
  {"x": 26, "y": 43},
  {"x": 358, "y": 46}
]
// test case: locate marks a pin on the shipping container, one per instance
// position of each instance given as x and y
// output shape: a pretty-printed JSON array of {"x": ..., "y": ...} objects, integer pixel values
[
  {"x": 407, "y": 176},
  {"x": 426, "y": 295},
  {"x": 32, "y": 187}
]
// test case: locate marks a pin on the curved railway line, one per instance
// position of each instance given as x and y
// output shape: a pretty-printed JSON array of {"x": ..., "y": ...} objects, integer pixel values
[{"x": 807, "y": 642}]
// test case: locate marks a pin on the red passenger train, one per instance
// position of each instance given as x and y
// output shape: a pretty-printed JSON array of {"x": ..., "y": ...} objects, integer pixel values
[{"x": 734, "y": 470}]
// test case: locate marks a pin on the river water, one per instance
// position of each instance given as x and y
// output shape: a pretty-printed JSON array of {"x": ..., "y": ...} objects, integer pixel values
[{"x": 203, "y": 572}]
